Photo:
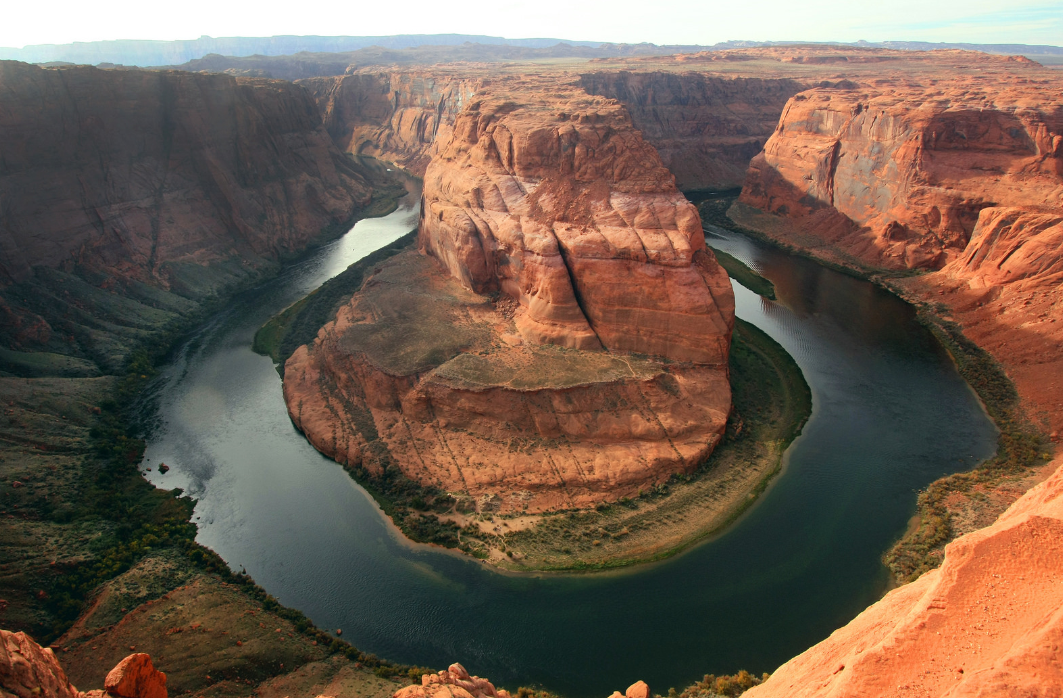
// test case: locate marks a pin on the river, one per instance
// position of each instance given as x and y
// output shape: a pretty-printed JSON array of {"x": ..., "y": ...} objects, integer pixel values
[{"x": 890, "y": 414}]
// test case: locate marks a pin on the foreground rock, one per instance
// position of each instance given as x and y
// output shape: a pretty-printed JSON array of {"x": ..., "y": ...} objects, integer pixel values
[
  {"x": 28, "y": 670},
  {"x": 455, "y": 682},
  {"x": 500, "y": 367},
  {"x": 988, "y": 622}
]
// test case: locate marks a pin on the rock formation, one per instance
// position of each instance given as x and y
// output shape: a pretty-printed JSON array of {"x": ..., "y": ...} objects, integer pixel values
[
  {"x": 560, "y": 235},
  {"x": 565, "y": 208},
  {"x": 176, "y": 179},
  {"x": 964, "y": 175},
  {"x": 896, "y": 174},
  {"x": 706, "y": 128},
  {"x": 392, "y": 116},
  {"x": 639, "y": 689},
  {"x": 455, "y": 682},
  {"x": 988, "y": 622},
  {"x": 28, "y": 670}
]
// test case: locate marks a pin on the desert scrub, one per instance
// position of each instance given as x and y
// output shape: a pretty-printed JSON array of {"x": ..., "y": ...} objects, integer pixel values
[
  {"x": 771, "y": 402},
  {"x": 713, "y": 686},
  {"x": 1020, "y": 447},
  {"x": 740, "y": 272}
]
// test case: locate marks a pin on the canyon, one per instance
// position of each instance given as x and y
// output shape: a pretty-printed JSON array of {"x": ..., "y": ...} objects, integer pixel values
[
  {"x": 554, "y": 206},
  {"x": 937, "y": 172},
  {"x": 130, "y": 197}
]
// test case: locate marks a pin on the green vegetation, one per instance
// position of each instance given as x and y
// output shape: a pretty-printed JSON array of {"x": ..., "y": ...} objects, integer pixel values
[
  {"x": 771, "y": 404},
  {"x": 740, "y": 272},
  {"x": 712, "y": 686},
  {"x": 299, "y": 323},
  {"x": 1020, "y": 447}
]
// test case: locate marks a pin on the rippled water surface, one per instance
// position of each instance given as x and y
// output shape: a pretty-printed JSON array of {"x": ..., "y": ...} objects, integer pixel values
[{"x": 889, "y": 415}]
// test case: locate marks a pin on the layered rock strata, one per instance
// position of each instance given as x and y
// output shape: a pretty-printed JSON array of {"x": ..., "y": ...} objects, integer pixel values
[
  {"x": 967, "y": 179},
  {"x": 896, "y": 174},
  {"x": 706, "y": 128},
  {"x": 136, "y": 174},
  {"x": 394, "y": 116},
  {"x": 564, "y": 343}
]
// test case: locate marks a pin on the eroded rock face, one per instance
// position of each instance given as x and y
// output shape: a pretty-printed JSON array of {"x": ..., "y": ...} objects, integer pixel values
[
  {"x": 966, "y": 178},
  {"x": 419, "y": 373},
  {"x": 154, "y": 175},
  {"x": 988, "y": 622},
  {"x": 135, "y": 677},
  {"x": 28, "y": 670},
  {"x": 394, "y": 116},
  {"x": 564, "y": 342},
  {"x": 706, "y": 128},
  {"x": 565, "y": 208},
  {"x": 896, "y": 175}
]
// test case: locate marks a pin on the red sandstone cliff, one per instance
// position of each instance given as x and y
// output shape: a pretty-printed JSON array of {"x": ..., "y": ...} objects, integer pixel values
[
  {"x": 396, "y": 116},
  {"x": 706, "y": 128},
  {"x": 556, "y": 206},
  {"x": 966, "y": 177},
  {"x": 565, "y": 208},
  {"x": 146, "y": 175},
  {"x": 895, "y": 175}
]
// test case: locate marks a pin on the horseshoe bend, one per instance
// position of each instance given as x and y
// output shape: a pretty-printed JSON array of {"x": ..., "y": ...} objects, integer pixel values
[
  {"x": 550, "y": 370},
  {"x": 559, "y": 337}
]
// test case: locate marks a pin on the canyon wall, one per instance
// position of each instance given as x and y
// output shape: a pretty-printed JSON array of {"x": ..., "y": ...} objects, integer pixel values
[
  {"x": 962, "y": 175},
  {"x": 396, "y": 116},
  {"x": 127, "y": 196},
  {"x": 587, "y": 325},
  {"x": 132, "y": 172},
  {"x": 895, "y": 174},
  {"x": 706, "y": 128}
]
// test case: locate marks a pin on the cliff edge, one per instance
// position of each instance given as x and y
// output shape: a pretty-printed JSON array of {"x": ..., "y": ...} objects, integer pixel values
[{"x": 564, "y": 341}]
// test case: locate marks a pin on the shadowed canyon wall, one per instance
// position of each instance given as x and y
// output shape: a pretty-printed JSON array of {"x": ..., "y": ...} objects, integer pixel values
[
  {"x": 395, "y": 116},
  {"x": 165, "y": 187},
  {"x": 705, "y": 128}
]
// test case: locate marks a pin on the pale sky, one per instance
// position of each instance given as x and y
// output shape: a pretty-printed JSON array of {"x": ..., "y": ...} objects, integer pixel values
[{"x": 658, "y": 21}]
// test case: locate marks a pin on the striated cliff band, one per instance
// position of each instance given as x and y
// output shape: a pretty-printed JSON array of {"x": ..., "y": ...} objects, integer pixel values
[
  {"x": 131, "y": 196},
  {"x": 561, "y": 340}
]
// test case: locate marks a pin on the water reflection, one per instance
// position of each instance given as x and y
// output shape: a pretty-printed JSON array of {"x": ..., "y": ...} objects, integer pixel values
[{"x": 890, "y": 415}]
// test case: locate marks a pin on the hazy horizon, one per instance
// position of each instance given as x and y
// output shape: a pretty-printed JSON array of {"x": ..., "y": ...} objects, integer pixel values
[{"x": 684, "y": 22}]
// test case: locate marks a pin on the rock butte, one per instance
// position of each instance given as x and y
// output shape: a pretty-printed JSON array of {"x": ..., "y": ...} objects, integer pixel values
[
  {"x": 952, "y": 165},
  {"x": 557, "y": 210}
]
